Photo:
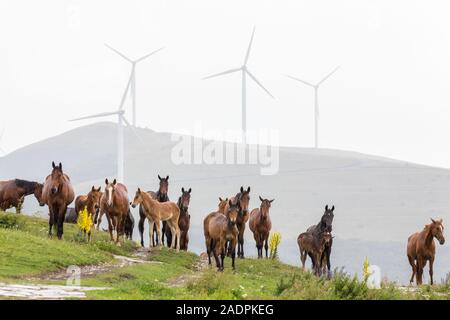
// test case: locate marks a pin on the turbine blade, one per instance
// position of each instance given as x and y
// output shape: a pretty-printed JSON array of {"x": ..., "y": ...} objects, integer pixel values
[
  {"x": 124, "y": 96},
  {"x": 133, "y": 129},
  {"x": 300, "y": 80},
  {"x": 249, "y": 47},
  {"x": 119, "y": 53},
  {"x": 259, "y": 83},
  {"x": 98, "y": 115},
  {"x": 329, "y": 75},
  {"x": 148, "y": 55},
  {"x": 222, "y": 73}
]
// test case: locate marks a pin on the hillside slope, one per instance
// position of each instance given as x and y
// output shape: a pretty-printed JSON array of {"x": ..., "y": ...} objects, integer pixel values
[{"x": 379, "y": 202}]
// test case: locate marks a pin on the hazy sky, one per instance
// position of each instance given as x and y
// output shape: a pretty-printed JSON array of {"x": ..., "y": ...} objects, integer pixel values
[{"x": 391, "y": 96}]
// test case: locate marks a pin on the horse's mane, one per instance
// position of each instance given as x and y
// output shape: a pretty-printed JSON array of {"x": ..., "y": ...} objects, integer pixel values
[{"x": 29, "y": 186}]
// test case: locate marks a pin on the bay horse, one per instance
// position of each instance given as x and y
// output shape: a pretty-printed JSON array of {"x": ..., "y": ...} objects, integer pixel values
[
  {"x": 129, "y": 226},
  {"x": 91, "y": 202},
  {"x": 421, "y": 248},
  {"x": 114, "y": 203},
  {"x": 57, "y": 193},
  {"x": 260, "y": 224},
  {"x": 13, "y": 193},
  {"x": 162, "y": 196},
  {"x": 220, "y": 229},
  {"x": 313, "y": 245},
  {"x": 242, "y": 200},
  {"x": 156, "y": 212},
  {"x": 221, "y": 209},
  {"x": 184, "y": 221},
  {"x": 325, "y": 225}
]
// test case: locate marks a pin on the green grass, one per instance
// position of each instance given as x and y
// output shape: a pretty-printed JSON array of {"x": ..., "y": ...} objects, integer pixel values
[{"x": 25, "y": 250}]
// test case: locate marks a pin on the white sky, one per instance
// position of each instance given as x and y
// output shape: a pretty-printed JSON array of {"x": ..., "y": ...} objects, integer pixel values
[{"x": 391, "y": 96}]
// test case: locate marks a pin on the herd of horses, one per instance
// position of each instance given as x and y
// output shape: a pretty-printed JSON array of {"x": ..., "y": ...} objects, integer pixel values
[{"x": 169, "y": 222}]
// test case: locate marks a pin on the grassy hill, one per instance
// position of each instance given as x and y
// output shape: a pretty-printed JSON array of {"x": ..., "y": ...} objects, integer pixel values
[{"x": 28, "y": 256}]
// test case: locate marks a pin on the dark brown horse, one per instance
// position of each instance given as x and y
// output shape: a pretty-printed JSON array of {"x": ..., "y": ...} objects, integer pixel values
[
  {"x": 13, "y": 193},
  {"x": 325, "y": 225},
  {"x": 161, "y": 196},
  {"x": 261, "y": 225},
  {"x": 313, "y": 245},
  {"x": 91, "y": 202},
  {"x": 115, "y": 205},
  {"x": 184, "y": 221},
  {"x": 220, "y": 229},
  {"x": 156, "y": 212},
  {"x": 57, "y": 193},
  {"x": 129, "y": 226},
  {"x": 421, "y": 248},
  {"x": 242, "y": 200}
]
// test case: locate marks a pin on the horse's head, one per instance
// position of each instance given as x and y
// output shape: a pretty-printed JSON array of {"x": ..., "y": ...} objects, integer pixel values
[
  {"x": 437, "y": 230},
  {"x": 163, "y": 185},
  {"x": 232, "y": 212},
  {"x": 185, "y": 199},
  {"x": 38, "y": 193},
  {"x": 56, "y": 178},
  {"x": 222, "y": 204},
  {"x": 326, "y": 222},
  {"x": 243, "y": 199},
  {"x": 95, "y": 195},
  {"x": 138, "y": 199},
  {"x": 109, "y": 191},
  {"x": 265, "y": 206}
]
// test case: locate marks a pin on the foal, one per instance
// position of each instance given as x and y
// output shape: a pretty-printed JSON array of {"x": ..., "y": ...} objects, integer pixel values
[
  {"x": 421, "y": 248},
  {"x": 261, "y": 225},
  {"x": 156, "y": 212},
  {"x": 185, "y": 218},
  {"x": 313, "y": 245}
]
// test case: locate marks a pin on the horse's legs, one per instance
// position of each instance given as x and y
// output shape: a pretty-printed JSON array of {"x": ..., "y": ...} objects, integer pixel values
[
  {"x": 266, "y": 246},
  {"x": 141, "y": 227},
  {"x": 158, "y": 233},
  {"x": 20, "y": 205},
  {"x": 431, "y": 270},
  {"x": 419, "y": 272},
  {"x": 51, "y": 221},
  {"x": 216, "y": 249},
  {"x": 208, "y": 245},
  {"x": 110, "y": 227},
  {"x": 164, "y": 228},
  {"x": 151, "y": 225},
  {"x": 303, "y": 258},
  {"x": 233, "y": 252},
  {"x": 412, "y": 262},
  {"x": 241, "y": 242},
  {"x": 178, "y": 236},
  {"x": 61, "y": 216}
]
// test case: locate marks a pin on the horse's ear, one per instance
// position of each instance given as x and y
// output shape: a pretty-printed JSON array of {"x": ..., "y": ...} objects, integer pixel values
[
  {"x": 106, "y": 181},
  {"x": 261, "y": 199},
  {"x": 182, "y": 190},
  {"x": 248, "y": 190},
  {"x": 167, "y": 178},
  {"x": 93, "y": 188},
  {"x": 115, "y": 182},
  {"x": 139, "y": 190},
  {"x": 60, "y": 166},
  {"x": 272, "y": 200},
  {"x": 53, "y": 164},
  {"x": 242, "y": 189},
  {"x": 326, "y": 208},
  {"x": 159, "y": 177},
  {"x": 99, "y": 189},
  {"x": 190, "y": 190},
  {"x": 220, "y": 199},
  {"x": 332, "y": 209},
  {"x": 432, "y": 220},
  {"x": 440, "y": 221}
]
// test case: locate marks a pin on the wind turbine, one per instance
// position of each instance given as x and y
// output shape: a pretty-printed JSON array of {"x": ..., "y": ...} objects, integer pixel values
[
  {"x": 244, "y": 72},
  {"x": 132, "y": 81},
  {"x": 316, "y": 102},
  {"x": 120, "y": 113}
]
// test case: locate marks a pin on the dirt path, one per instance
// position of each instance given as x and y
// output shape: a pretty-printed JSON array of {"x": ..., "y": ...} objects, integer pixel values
[{"x": 184, "y": 279}]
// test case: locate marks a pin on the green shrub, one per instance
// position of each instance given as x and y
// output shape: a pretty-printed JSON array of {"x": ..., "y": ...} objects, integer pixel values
[{"x": 11, "y": 221}]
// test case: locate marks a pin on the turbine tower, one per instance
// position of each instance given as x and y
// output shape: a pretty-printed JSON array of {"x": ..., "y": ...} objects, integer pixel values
[
  {"x": 120, "y": 113},
  {"x": 316, "y": 102},
  {"x": 132, "y": 81},
  {"x": 244, "y": 73}
]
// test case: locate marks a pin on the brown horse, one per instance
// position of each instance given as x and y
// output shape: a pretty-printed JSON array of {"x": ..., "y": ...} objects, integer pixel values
[
  {"x": 91, "y": 202},
  {"x": 242, "y": 200},
  {"x": 156, "y": 212},
  {"x": 13, "y": 193},
  {"x": 161, "y": 196},
  {"x": 314, "y": 246},
  {"x": 57, "y": 193},
  {"x": 261, "y": 225},
  {"x": 421, "y": 248},
  {"x": 220, "y": 229},
  {"x": 185, "y": 219},
  {"x": 114, "y": 203}
]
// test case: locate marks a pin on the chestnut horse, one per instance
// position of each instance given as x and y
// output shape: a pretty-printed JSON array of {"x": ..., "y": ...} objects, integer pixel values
[
  {"x": 242, "y": 200},
  {"x": 220, "y": 229},
  {"x": 57, "y": 193},
  {"x": 114, "y": 203},
  {"x": 156, "y": 212},
  {"x": 91, "y": 202},
  {"x": 13, "y": 193},
  {"x": 161, "y": 196},
  {"x": 261, "y": 225},
  {"x": 421, "y": 248},
  {"x": 313, "y": 245},
  {"x": 184, "y": 221}
]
